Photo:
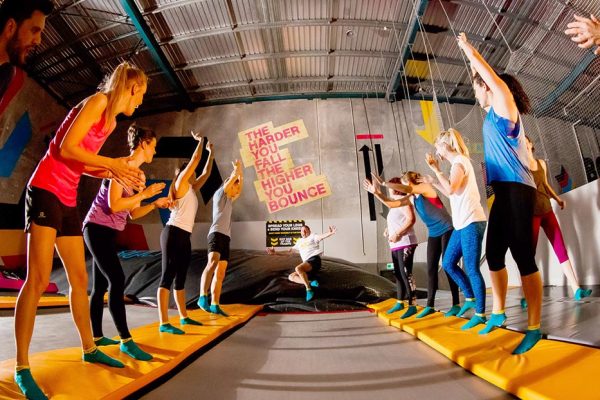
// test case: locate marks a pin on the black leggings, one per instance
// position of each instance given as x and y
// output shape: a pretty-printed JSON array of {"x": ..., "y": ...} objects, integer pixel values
[
  {"x": 107, "y": 274},
  {"x": 403, "y": 266},
  {"x": 436, "y": 246},
  {"x": 510, "y": 226},
  {"x": 176, "y": 249}
]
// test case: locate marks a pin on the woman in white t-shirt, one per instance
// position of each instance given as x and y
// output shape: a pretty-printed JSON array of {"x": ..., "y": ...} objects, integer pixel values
[{"x": 468, "y": 219}]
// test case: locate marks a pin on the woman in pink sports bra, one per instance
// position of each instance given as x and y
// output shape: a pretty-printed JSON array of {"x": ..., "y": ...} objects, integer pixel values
[{"x": 51, "y": 217}]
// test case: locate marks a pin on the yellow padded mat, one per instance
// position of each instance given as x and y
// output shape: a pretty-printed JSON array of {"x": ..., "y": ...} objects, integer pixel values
[
  {"x": 9, "y": 302},
  {"x": 551, "y": 370},
  {"x": 62, "y": 374}
]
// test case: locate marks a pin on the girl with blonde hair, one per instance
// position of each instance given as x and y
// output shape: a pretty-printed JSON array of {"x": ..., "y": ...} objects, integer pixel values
[{"x": 51, "y": 216}]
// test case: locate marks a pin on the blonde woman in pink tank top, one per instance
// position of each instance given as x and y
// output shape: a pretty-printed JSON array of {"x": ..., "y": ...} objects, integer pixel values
[{"x": 51, "y": 217}]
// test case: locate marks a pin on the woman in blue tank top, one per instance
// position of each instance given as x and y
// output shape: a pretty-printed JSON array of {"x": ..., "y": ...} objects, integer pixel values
[
  {"x": 432, "y": 212},
  {"x": 507, "y": 170}
]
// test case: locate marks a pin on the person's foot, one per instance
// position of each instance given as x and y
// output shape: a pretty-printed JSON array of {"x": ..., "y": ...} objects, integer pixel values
[
  {"x": 314, "y": 283},
  {"x": 310, "y": 294},
  {"x": 104, "y": 341},
  {"x": 496, "y": 320},
  {"x": 474, "y": 321},
  {"x": 168, "y": 328},
  {"x": 425, "y": 312},
  {"x": 216, "y": 309},
  {"x": 132, "y": 350},
  {"x": 455, "y": 309},
  {"x": 203, "y": 302},
  {"x": 580, "y": 294},
  {"x": 410, "y": 311},
  {"x": 532, "y": 336},
  {"x": 28, "y": 386},
  {"x": 466, "y": 307},
  {"x": 189, "y": 321},
  {"x": 397, "y": 307},
  {"x": 523, "y": 303},
  {"x": 98, "y": 357}
]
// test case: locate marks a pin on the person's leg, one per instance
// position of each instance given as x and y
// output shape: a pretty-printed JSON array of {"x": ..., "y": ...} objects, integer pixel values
[
  {"x": 400, "y": 270},
  {"x": 450, "y": 259},
  {"x": 40, "y": 250},
  {"x": 401, "y": 292},
  {"x": 434, "y": 252},
  {"x": 406, "y": 256},
  {"x": 207, "y": 278},
  {"x": 522, "y": 250},
  {"x": 455, "y": 309},
  {"x": 99, "y": 288},
  {"x": 168, "y": 244},
  {"x": 555, "y": 236},
  {"x": 101, "y": 241},
  {"x": 471, "y": 240},
  {"x": 496, "y": 248},
  {"x": 183, "y": 262},
  {"x": 217, "y": 285},
  {"x": 71, "y": 251}
]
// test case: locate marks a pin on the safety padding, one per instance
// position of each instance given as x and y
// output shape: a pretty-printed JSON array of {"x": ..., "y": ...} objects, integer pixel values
[
  {"x": 9, "y": 302},
  {"x": 62, "y": 374},
  {"x": 551, "y": 370}
]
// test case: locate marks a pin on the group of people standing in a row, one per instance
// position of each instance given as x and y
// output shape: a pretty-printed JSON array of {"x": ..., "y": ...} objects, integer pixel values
[
  {"x": 52, "y": 221},
  {"x": 521, "y": 206}
]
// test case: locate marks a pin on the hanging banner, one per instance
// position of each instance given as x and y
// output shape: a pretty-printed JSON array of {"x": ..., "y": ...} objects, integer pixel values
[
  {"x": 283, "y": 233},
  {"x": 280, "y": 183}
]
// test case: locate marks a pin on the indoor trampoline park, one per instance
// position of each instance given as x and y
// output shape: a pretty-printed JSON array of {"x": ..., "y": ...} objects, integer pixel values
[{"x": 299, "y": 199}]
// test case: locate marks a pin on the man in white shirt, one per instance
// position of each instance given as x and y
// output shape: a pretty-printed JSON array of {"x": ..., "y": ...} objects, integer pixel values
[{"x": 310, "y": 252}]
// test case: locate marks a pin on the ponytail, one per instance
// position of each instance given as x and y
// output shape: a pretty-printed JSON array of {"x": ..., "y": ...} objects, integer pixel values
[{"x": 116, "y": 83}]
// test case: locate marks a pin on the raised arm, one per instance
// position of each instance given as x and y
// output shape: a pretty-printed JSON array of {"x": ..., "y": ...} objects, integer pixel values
[
  {"x": 235, "y": 176},
  {"x": 374, "y": 189},
  {"x": 71, "y": 149},
  {"x": 503, "y": 102},
  {"x": 199, "y": 182},
  {"x": 445, "y": 185},
  {"x": 182, "y": 183},
  {"x": 323, "y": 236}
]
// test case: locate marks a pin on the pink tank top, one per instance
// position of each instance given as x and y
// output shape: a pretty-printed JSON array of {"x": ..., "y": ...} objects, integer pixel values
[{"x": 59, "y": 176}]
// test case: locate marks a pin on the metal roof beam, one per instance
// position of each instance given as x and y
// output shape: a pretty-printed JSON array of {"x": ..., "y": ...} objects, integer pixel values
[
  {"x": 396, "y": 78},
  {"x": 285, "y": 24},
  {"x": 157, "y": 54},
  {"x": 316, "y": 79}
]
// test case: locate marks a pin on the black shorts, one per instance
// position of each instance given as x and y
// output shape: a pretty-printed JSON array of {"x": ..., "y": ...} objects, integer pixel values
[
  {"x": 45, "y": 209},
  {"x": 315, "y": 263},
  {"x": 219, "y": 243}
]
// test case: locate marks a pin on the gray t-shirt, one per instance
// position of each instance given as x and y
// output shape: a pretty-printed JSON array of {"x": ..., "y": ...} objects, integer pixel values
[{"x": 222, "y": 208}]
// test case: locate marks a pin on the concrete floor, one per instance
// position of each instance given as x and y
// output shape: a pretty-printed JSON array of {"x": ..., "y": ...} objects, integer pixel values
[{"x": 342, "y": 356}]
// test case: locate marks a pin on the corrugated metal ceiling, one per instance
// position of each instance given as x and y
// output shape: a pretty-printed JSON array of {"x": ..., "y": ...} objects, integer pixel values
[{"x": 239, "y": 50}]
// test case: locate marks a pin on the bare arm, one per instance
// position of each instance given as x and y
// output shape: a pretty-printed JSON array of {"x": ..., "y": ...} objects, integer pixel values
[
  {"x": 375, "y": 190},
  {"x": 272, "y": 252},
  {"x": 323, "y": 236},
  {"x": 70, "y": 147},
  {"x": 139, "y": 212},
  {"x": 118, "y": 203},
  {"x": 503, "y": 102},
  {"x": 182, "y": 182},
  {"x": 560, "y": 202},
  {"x": 199, "y": 182}
]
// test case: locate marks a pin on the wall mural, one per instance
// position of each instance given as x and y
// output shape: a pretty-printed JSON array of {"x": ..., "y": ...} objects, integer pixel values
[{"x": 280, "y": 183}]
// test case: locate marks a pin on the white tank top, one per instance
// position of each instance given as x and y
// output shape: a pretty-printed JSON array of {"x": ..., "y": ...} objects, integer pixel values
[
  {"x": 183, "y": 214},
  {"x": 466, "y": 204},
  {"x": 395, "y": 219}
]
